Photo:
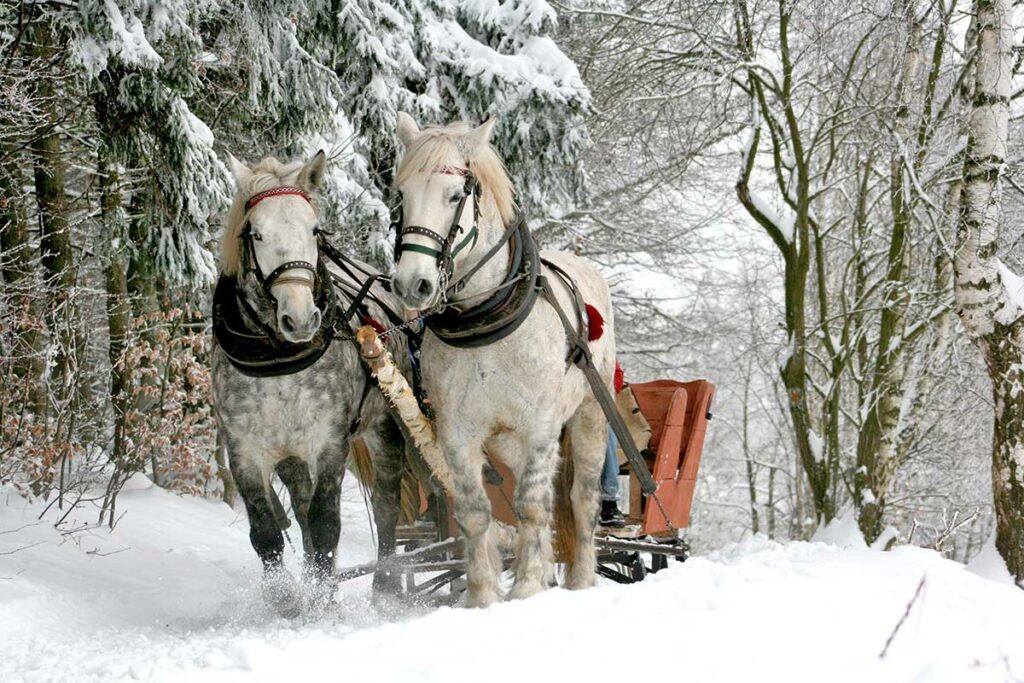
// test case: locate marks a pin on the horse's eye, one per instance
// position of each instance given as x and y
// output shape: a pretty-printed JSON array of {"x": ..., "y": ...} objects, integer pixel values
[
  {"x": 256, "y": 236},
  {"x": 456, "y": 198}
]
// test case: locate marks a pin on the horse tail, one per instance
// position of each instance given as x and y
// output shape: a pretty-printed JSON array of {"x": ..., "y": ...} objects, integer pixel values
[
  {"x": 565, "y": 518},
  {"x": 361, "y": 463}
]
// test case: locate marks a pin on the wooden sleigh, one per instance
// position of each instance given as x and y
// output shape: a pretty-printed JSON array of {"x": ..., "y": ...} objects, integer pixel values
[{"x": 668, "y": 420}]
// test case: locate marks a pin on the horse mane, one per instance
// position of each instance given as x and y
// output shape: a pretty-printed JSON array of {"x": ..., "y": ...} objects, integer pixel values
[
  {"x": 439, "y": 146},
  {"x": 267, "y": 174}
]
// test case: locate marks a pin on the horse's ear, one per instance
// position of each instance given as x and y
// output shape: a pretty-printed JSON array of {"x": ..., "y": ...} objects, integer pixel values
[
  {"x": 312, "y": 174},
  {"x": 241, "y": 172},
  {"x": 406, "y": 128},
  {"x": 478, "y": 139}
]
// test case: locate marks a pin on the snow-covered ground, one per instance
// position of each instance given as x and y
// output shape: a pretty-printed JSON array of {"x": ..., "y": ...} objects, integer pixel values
[{"x": 170, "y": 595}]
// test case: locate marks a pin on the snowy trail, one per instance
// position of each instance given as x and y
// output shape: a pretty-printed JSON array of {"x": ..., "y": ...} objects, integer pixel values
[{"x": 173, "y": 605}]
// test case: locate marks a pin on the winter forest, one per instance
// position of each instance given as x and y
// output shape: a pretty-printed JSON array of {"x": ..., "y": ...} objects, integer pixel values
[{"x": 816, "y": 205}]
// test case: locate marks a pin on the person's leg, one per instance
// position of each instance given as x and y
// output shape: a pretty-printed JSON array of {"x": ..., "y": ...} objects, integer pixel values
[
  {"x": 610, "y": 514},
  {"x": 610, "y": 473}
]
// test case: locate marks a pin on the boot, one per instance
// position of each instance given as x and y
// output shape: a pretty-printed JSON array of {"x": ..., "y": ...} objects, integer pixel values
[{"x": 611, "y": 517}]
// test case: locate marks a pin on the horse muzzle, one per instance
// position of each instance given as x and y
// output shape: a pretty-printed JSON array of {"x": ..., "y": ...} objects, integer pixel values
[{"x": 416, "y": 292}]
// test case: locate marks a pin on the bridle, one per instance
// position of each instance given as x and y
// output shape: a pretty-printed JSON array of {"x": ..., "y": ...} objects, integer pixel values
[
  {"x": 250, "y": 264},
  {"x": 448, "y": 249}
]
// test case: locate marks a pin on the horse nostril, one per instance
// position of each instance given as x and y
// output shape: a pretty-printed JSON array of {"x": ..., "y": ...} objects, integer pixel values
[
  {"x": 287, "y": 324},
  {"x": 423, "y": 287}
]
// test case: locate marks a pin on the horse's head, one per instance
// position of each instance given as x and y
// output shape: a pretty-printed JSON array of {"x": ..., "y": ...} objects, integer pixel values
[
  {"x": 449, "y": 176},
  {"x": 271, "y": 244}
]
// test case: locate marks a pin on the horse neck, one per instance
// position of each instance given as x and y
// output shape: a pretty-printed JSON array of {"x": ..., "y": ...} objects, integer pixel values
[{"x": 492, "y": 273}]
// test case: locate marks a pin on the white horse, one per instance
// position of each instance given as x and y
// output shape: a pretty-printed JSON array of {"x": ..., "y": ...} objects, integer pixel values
[{"x": 514, "y": 396}]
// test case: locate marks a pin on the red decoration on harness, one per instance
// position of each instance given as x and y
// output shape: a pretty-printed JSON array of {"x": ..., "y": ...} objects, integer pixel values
[
  {"x": 620, "y": 377},
  {"x": 595, "y": 324},
  {"x": 276, "y": 192},
  {"x": 374, "y": 323}
]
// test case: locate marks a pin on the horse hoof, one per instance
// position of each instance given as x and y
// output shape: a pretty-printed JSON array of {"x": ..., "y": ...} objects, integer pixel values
[
  {"x": 282, "y": 593},
  {"x": 525, "y": 589},
  {"x": 386, "y": 583},
  {"x": 481, "y": 598}
]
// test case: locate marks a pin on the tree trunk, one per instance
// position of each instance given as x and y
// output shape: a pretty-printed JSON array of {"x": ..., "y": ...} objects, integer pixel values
[
  {"x": 118, "y": 305},
  {"x": 28, "y": 362},
  {"x": 795, "y": 247},
  {"x": 876, "y": 442},
  {"x": 55, "y": 233},
  {"x": 991, "y": 316}
]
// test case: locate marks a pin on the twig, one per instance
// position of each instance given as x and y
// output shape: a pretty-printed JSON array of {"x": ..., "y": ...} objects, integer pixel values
[
  {"x": 97, "y": 553},
  {"x": 18, "y": 550},
  {"x": 906, "y": 613}
]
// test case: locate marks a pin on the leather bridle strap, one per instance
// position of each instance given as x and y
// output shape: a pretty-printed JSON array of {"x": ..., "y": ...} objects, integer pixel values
[
  {"x": 277, "y": 276},
  {"x": 447, "y": 252},
  {"x": 276, "y": 192}
]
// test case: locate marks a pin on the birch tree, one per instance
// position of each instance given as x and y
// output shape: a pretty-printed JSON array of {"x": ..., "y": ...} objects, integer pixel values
[{"x": 989, "y": 296}]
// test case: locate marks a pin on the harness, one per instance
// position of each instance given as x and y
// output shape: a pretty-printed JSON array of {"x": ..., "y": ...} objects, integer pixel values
[
  {"x": 255, "y": 348},
  {"x": 447, "y": 250},
  {"x": 510, "y": 303}
]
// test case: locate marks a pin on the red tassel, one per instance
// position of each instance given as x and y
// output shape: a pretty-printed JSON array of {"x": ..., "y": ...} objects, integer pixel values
[
  {"x": 595, "y": 324},
  {"x": 374, "y": 323}
]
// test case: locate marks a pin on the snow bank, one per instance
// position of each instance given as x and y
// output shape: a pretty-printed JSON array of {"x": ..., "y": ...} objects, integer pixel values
[
  {"x": 175, "y": 606},
  {"x": 990, "y": 564}
]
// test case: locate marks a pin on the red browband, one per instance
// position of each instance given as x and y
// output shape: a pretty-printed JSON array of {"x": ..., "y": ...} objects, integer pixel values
[
  {"x": 276, "y": 192},
  {"x": 452, "y": 170}
]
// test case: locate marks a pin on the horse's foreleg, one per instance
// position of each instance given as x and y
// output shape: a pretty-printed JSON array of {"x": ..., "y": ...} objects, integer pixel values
[
  {"x": 388, "y": 449},
  {"x": 264, "y": 530},
  {"x": 295, "y": 475},
  {"x": 279, "y": 588},
  {"x": 534, "y": 566},
  {"x": 473, "y": 515},
  {"x": 588, "y": 433},
  {"x": 325, "y": 509}
]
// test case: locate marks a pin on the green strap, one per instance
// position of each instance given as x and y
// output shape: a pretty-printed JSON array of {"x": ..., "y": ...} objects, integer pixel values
[
  {"x": 471, "y": 235},
  {"x": 419, "y": 248}
]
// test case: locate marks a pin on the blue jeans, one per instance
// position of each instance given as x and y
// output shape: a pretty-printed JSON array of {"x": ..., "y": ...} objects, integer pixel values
[{"x": 610, "y": 473}]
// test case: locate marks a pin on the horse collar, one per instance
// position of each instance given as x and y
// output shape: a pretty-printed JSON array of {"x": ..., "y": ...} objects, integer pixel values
[{"x": 507, "y": 308}]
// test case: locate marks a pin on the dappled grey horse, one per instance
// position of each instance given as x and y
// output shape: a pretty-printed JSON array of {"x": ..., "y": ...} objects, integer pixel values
[{"x": 289, "y": 395}]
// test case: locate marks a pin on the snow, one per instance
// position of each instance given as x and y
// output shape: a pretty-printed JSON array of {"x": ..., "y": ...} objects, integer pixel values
[
  {"x": 842, "y": 532},
  {"x": 990, "y": 564},
  {"x": 1013, "y": 285},
  {"x": 169, "y": 596},
  {"x": 539, "y": 62},
  {"x": 817, "y": 446},
  {"x": 783, "y": 222}
]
